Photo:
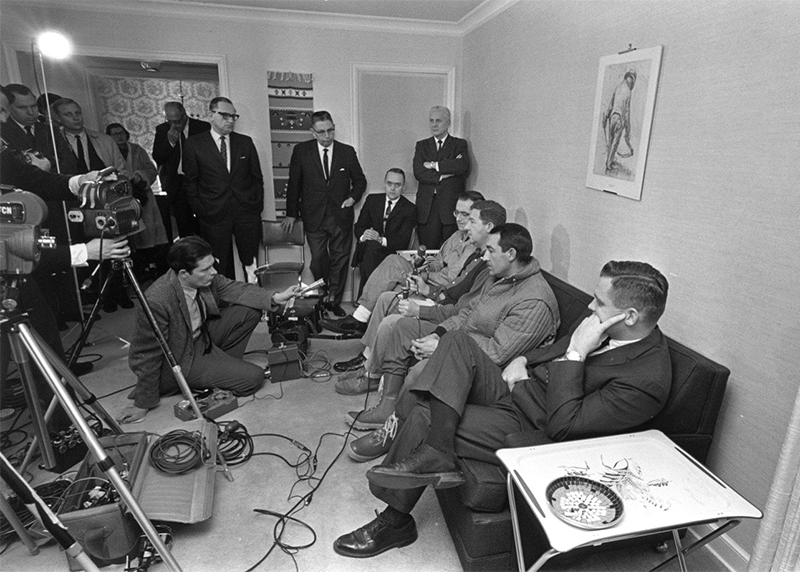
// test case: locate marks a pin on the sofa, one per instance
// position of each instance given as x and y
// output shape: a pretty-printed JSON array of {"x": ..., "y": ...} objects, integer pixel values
[{"x": 477, "y": 513}]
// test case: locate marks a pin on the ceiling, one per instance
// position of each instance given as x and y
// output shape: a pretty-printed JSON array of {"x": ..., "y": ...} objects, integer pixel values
[{"x": 451, "y": 11}]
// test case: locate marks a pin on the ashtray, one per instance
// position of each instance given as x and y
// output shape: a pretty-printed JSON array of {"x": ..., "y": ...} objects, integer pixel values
[{"x": 584, "y": 503}]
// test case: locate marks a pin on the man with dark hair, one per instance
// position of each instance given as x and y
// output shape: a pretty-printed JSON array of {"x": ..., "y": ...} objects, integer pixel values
[
  {"x": 225, "y": 187},
  {"x": 384, "y": 226},
  {"x": 207, "y": 320},
  {"x": 325, "y": 181},
  {"x": 440, "y": 272},
  {"x": 393, "y": 351},
  {"x": 22, "y": 133},
  {"x": 168, "y": 153},
  {"x": 463, "y": 405},
  {"x": 441, "y": 165}
]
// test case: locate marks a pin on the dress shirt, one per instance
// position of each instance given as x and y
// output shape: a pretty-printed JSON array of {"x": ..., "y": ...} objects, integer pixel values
[
  {"x": 73, "y": 143},
  {"x": 443, "y": 140},
  {"x": 320, "y": 150}
]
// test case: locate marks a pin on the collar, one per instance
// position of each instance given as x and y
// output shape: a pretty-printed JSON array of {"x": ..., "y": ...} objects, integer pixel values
[
  {"x": 23, "y": 127},
  {"x": 443, "y": 139},
  {"x": 320, "y": 148},
  {"x": 190, "y": 292}
]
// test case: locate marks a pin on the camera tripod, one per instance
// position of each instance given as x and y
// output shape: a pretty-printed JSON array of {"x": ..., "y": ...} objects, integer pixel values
[{"x": 25, "y": 344}]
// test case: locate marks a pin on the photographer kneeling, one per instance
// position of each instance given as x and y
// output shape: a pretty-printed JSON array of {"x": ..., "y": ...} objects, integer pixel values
[{"x": 207, "y": 320}]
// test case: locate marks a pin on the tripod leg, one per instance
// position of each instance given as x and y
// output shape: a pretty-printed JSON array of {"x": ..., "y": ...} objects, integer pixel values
[
  {"x": 16, "y": 524},
  {"x": 87, "y": 397},
  {"x": 77, "y": 348},
  {"x": 103, "y": 461},
  {"x": 49, "y": 520},
  {"x": 32, "y": 397}
]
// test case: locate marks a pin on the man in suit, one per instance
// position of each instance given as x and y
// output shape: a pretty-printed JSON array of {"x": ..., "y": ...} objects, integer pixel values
[
  {"x": 384, "y": 226},
  {"x": 167, "y": 153},
  {"x": 463, "y": 405},
  {"x": 441, "y": 165},
  {"x": 207, "y": 320},
  {"x": 22, "y": 132},
  {"x": 225, "y": 188},
  {"x": 325, "y": 181}
]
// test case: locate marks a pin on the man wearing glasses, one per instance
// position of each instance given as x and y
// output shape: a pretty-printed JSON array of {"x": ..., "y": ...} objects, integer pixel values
[
  {"x": 440, "y": 272},
  {"x": 224, "y": 185},
  {"x": 325, "y": 181}
]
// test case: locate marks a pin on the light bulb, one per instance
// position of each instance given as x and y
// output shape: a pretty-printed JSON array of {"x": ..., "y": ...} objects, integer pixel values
[{"x": 54, "y": 45}]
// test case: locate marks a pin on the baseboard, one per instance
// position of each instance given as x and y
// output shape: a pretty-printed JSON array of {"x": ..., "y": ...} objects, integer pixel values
[{"x": 724, "y": 549}]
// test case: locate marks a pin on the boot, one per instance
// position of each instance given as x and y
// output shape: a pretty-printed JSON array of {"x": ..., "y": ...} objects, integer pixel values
[{"x": 376, "y": 416}]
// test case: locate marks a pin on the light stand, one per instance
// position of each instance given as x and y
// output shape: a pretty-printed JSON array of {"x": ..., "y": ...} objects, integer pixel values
[{"x": 55, "y": 45}]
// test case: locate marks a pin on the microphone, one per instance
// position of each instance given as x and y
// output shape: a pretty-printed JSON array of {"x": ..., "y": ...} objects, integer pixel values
[{"x": 420, "y": 259}]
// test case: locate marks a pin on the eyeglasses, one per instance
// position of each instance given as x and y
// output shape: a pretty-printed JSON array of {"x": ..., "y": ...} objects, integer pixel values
[
  {"x": 460, "y": 214},
  {"x": 228, "y": 116},
  {"x": 324, "y": 131}
]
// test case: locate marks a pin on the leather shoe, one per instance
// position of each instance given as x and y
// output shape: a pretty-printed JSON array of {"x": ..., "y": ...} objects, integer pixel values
[
  {"x": 356, "y": 383},
  {"x": 348, "y": 325},
  {"x": 335, "y": 309},
  {"x": 80, "y": 368},
  {"x": 375, "y": 537},
  {"x": 350, "y": 365},
  {"x": 424, "y": 466},
  {"x": 374, "y": 444},
  {"x": 125, "y": 303}
]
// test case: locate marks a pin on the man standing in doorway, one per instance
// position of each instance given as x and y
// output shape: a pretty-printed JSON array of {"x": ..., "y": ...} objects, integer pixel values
[
  {"x": 225, "y": 189},
  {"x": 167, "y": 153},
  {"x": 325, "y": 181},
  {"x": 441, "y": 165}
]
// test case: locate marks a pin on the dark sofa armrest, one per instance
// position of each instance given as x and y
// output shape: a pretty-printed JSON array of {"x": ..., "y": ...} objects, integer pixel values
[{"x": 527, "y": 439}]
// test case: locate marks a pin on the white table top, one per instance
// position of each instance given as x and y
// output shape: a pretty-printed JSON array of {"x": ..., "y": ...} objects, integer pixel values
[{"x": 661, "y": 486}]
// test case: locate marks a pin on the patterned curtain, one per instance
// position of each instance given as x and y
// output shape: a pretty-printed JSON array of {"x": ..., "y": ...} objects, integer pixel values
[
  {"x": 291, "y": 103},
  {"x": 138, "y": 103}
]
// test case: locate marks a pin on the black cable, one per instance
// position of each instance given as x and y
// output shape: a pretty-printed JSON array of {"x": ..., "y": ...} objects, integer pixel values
[
  {"x": 117, "y": 391},
  {"x": 178, "y": 452},
  {"x": 234, "y": 443}
]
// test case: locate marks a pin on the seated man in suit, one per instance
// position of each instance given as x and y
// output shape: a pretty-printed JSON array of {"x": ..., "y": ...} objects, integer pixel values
[
  {"x": 463, "y": 405},
  {"x": 440, "y": 272},
  {"x": 23, "y": 132},
  {"x": 207, "y": 320},
  {"x": 384, "y": 225}
]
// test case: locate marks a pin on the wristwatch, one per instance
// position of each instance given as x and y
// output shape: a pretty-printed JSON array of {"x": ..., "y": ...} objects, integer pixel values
[{"x": 573, "y": 355}]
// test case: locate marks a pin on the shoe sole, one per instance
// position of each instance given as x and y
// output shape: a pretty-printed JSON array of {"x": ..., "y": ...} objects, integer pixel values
[
  {"x": 413, "y": 481},
  {"x": 362, "y": 425},
  {"x": 345, "y": 368},
  {"x": 360, "y": 392},
  {"x": 398, "y": 544}
]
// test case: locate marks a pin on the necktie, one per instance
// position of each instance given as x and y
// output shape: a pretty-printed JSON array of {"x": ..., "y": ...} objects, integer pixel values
[
  {"x": 386, "y": 214},
  {"x": 325, "y": 163},
  {"x": 201, "y": 306},
  {"x": 438, "y": 145},
  {"x": 81, "y": 154},
  {"x": 31, "y": 139},
  {"x": 223, "y": 149}
]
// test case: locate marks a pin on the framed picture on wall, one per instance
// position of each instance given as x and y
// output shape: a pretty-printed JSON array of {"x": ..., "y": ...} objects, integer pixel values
[{"x": 623, "y": 112}]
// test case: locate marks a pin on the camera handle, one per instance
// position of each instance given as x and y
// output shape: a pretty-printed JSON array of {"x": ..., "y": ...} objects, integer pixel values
[{"x": 21, "y": 335}]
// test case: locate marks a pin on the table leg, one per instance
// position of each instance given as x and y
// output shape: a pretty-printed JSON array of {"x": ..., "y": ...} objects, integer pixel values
[
  {"x": 518, "y": 535},
  {"x": 699, "y": 543},
  {"x": 679, "y": 550}
]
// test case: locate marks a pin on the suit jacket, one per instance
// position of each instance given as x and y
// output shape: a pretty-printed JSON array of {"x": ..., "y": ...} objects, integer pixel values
[
  {"x": 103, "y": 144},
  {"x": 399, "y": 226},
  {"x": 168, "y": 157},
  {"x": 453, "y": 160},
  {"x": 608, "y": 393},
  {"x": 210, "y": 188},
  {"x": 15, "y": 136},
  {"x": 168, "y": 303},
  {"x": 311, "y": 198}
]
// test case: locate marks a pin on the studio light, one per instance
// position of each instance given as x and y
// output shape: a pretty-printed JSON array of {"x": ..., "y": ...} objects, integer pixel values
[{"x": 54, "y": 45}]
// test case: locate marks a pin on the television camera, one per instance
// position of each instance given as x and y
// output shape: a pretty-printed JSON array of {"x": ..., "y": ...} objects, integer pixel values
[
  {"x": 107, "y": 207},
  {"x": 21, "y": 239}
]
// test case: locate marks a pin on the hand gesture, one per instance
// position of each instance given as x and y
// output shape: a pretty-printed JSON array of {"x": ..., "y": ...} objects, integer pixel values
[
  {"x": 131, "y": 414},
  {"x": 370, "y": 234},
  {"x": 423, "y": 348},
  {"x": 112, "y": 248},
  {"x": 174, "y": 134},
  {"x": 286, "y": 295},
  {"x": 418, "y": 284},
  {"x": 515, "y": 371},
  {"x": 37, "y": 161},
  {"x": 287, "y": 224},
  {"x": 408, "y": 308},
  {"x": 348, "y": 202},
  {"x": 588, "y": 336}
]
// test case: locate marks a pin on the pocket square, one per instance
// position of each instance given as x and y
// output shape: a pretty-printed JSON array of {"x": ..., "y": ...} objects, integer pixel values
[
  {"x": 342, "y": 169},
  {"x": 243, "y": 157}
]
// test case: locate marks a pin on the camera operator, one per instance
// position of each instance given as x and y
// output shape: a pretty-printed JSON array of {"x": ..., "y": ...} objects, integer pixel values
[{"x": 16, "y": 171}]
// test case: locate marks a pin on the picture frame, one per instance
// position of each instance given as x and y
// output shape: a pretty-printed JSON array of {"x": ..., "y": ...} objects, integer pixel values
[{"x": 624, "y": 104}]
